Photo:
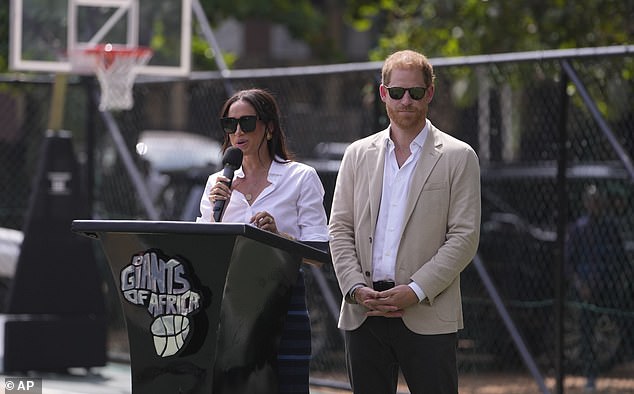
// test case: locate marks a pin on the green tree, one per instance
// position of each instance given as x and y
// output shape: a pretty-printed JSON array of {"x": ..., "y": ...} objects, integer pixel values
[{"x": 469, "y": 27}]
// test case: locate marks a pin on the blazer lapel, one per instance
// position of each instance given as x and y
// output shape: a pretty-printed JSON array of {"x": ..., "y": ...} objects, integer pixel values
[
  {"x": 429, "y": 156},
  {"x": 375, "y": 161}
]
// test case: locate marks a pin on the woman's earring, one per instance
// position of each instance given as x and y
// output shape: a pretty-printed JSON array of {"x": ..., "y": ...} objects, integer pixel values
[{"x": 268, "y": 136}]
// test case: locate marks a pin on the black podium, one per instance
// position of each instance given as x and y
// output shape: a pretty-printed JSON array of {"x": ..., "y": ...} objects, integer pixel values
[{"x": 204, "y": 303}]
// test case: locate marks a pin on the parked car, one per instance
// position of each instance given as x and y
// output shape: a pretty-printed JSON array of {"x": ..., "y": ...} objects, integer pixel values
[{"x": 178, "y": 164}]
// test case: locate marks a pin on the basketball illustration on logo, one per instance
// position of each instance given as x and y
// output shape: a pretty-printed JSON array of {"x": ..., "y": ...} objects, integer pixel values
[
  {"x": 170, "y": 333},
  {"x": 162, "y": 286}
]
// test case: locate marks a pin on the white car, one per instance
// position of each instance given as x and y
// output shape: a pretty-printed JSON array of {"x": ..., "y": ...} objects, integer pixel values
[
  {"x": 179, "y": 163},
  {"x": 178, "y": 150}
]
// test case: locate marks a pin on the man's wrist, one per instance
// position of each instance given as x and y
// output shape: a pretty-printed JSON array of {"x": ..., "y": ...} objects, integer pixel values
[
  {"x": 353, "y": 292},
  {"x": 420, "y": 294}
]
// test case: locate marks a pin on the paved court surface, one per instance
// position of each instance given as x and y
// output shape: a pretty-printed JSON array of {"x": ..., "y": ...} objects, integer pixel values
[{"x": 114, "y": 378}]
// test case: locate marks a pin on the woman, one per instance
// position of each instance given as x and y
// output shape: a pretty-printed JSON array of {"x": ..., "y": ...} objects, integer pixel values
[{"x": 275, "y": 194}]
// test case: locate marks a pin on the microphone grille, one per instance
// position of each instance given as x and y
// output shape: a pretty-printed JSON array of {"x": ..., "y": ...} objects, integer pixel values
[{"x": 232, "y": 157}]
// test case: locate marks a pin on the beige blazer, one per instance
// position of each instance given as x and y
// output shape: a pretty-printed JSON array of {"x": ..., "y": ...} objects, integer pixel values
[{"x": 440, "y": 235}]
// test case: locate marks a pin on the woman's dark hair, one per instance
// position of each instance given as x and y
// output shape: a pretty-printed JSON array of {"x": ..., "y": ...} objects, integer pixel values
[{"x": 268, "y": 111}]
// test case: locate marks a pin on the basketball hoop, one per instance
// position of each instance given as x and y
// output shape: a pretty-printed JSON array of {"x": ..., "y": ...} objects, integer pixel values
[{"x": 116, "y": 68}]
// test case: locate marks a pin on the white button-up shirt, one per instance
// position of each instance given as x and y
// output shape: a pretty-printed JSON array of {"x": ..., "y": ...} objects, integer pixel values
[
  {"x": 396, "y": 186},
  {"x": 294, "y": 198}
]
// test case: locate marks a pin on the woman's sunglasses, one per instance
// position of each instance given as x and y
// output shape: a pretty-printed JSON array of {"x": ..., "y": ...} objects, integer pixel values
[
  {"x": 416, "y": 93},
  {"x": 247, "y": 124}
]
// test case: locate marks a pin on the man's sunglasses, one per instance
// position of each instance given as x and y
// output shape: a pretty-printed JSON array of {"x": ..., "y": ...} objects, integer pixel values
[
  {"x": 247, "y": 124},
  {"x": 416, "y": 93}
]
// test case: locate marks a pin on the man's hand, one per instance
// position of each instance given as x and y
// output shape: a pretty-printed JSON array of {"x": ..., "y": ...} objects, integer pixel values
[{"x": 388, "y": 303}]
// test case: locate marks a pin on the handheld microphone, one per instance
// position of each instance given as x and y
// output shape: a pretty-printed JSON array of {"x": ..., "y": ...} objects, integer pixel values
[{"x": 231, "y": 161}]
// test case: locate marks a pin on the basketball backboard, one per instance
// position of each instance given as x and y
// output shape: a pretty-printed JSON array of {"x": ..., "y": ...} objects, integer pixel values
[{"x": 45, "y": 33}]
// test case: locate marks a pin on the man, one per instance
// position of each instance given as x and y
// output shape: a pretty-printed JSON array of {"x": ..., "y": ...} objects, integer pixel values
[
  {"x": 405, "y": 222},
  {"x": 595, "y": 259}
]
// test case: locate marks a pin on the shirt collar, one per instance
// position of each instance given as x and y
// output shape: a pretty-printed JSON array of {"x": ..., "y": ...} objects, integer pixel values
[
  {"x": 416, "y": 143},
  {"x": 276, "y": 170}
]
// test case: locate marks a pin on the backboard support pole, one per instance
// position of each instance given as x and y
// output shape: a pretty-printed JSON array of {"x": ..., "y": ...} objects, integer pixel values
[
  {"x": 58, "y": 100},
  {"x": 209, "y": 36}
]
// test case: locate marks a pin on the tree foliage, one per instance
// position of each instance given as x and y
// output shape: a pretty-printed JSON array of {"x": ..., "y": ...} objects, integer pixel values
[
  {"x": 468, "y": 27},
  {"x": 300, "y": 16}
]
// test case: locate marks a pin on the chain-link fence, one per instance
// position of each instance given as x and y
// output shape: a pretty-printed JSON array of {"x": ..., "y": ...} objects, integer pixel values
[{"x": 514, "y": 109}]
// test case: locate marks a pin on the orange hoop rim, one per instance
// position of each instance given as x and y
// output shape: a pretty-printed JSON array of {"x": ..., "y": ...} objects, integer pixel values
[{"x": 117, "y": 50}]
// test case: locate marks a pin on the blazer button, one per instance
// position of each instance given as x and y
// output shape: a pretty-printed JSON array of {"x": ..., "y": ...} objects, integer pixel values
[{"x": 367, "y": 273}]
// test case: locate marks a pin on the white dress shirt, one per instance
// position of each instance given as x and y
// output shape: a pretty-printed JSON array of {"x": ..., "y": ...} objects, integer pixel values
[
  {"x": 294, "y": 198},
  {"x": 396, "y": 186}
]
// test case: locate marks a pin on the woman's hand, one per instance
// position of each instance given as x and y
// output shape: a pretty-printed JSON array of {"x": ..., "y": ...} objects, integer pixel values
[
  {"x": 220, "y": 191},
  {"x": 265, "y": 221}
]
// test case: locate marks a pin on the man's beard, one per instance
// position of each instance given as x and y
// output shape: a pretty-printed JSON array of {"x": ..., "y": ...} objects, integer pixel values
[{"x": 408, "y": 120}]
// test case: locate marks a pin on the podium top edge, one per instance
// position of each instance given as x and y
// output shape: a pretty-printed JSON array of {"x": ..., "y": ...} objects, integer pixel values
[
  {"x": 92, "y": 229},
  {"x": 151, "y": 226}
]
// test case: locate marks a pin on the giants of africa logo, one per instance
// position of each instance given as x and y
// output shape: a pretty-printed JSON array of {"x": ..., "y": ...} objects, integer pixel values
[{"x": 161, "y": 285}]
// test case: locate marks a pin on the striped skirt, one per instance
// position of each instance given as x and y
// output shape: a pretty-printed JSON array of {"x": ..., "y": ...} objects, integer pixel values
[{"x": 295, "y": 346}]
